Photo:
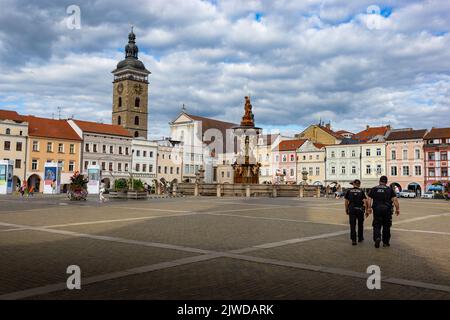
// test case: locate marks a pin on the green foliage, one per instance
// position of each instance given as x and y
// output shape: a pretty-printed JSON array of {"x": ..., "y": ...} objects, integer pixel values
[
  {"x": 120, "y": 185},
  {"x": 137, "y": 184}
]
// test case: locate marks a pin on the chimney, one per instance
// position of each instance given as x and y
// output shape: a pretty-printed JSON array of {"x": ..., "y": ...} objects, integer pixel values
[
  {"x": 367, "y": 127},
  {"x": 328, "y": 126}
]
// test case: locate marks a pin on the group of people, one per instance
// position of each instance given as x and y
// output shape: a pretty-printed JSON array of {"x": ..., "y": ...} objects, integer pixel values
[
  {"x": 381, "y": 201},
  {"x": 23, "y": 189}
]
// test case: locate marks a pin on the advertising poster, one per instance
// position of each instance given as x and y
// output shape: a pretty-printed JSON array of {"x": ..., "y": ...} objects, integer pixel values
[{"x": 50, "y": 175}]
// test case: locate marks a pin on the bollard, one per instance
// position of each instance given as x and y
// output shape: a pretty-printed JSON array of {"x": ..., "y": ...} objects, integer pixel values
[
  {"x": 247, "y": 191},
  {"x": 219, "y": 190},
  {"x": 301, "y": 192},
  {"x": 196, "y": 190},
  {"x": 158, "y": 189},
  {"x": 274, "y": 191},
  {"x": 318, "y": 192}
]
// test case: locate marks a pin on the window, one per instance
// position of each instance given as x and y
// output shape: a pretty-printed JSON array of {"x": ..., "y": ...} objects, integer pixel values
[
  {"x": 111, "y": 149},
  {"x": 34, "y": 164},
  {"x": 159, "y": 169},
  {"x": 119, "y": 166},
  {"x": 71, "y": 165},
  {"x": 86, "y": 147},
  {"x": 310, "y": 171},
  {"x": 342, "y": 154},
  {"x": 7, "y": 145},
  {"x": 223, "y": 174},
  {"x": 150, "y": 168},
  {"x": 444, "y": 155},
  {"x": 138, "y": 153},
  {"x": 120, "y": 103},
  {"x": 8, "y": 131},
  {"x": 18, "y": 146},
  {"x": 126, "y": 150},
  {"x": 144, "y": 167},
  {"x": 119, "y": 120},
  {"x": 333, "y": 170},
  {"x": 333, "y": 154},
  {"x": 378, "y": 151},
  {"x": 393, "y": 155},
  {"x": 405, "y": 170},
  {"x": 136, "y": 134},
  {"x": 418, "y": 170},
  {"x": 378, "y": 168},
  {"x": 171, "y": 170},
  {"x": 368, "y": 169},
  {"x": 284, "y": 158},
  {"x": 86, "y": 164},
  {"x": 393, "y": 171},
  {"x": 343, "y": 169},
  {"x": 431, "y": 172},
  {"x": 304, "y": 157},
  {"x": 126, "y": 167},
  {"x": 104, "y": 148},
  {"x": 444, "y": 172},
  {"x": 405, "y": 154},
  {"x": 138, "y": 167},
  {"x": 49, "y": 147},
  {"x": 353, "y": 153},
  {"x": 136, "y": 120},
  {"x": 137, "y": 102},
  {"x": 310, "y": 157},
  {"x": 103, "y": 165},
  {"x": 417, "y": 153},
  {"x": 35, "y": 145},
  {"x": 151, "y": 154},
  {"x": 317, "y": 171},
  {"x": 292, "y": 172},
  {"x": 317, "y": 157},
  {"x": 18, "y": 164},
  {"x": 61, "y": 148},
  {"x": 368, "y": 152},
  {"x": 353, "y": 169},
  {"x": 94, "y": 147},
  {"x": 110, "y": 166},
  {"x": 431, "y": 156},
  {"x": 165, "y": 170},
  {"x": 292, "y": 158},
  {"x": 72, "y": 149},
  {"x": 120, "y": 150},
  {"x": 144, "y": 153}
]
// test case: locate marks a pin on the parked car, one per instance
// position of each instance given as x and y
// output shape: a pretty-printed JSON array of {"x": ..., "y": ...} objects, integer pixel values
[
  {"x": 427, "y": 195},
  {"x": 407, "y": 194}
]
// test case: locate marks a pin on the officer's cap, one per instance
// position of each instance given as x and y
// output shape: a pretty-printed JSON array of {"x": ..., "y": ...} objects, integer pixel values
[{"x": 356, "y": 181}]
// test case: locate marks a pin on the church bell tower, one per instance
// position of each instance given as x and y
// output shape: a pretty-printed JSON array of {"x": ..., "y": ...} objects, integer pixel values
[{"x": 130, "y": 91}]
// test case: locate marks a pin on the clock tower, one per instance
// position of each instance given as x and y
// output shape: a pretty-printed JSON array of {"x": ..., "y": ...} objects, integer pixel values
[{"x": 130, "y": 91}]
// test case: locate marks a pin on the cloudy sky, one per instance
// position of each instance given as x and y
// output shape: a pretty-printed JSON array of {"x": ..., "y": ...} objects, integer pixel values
[{"x": 349, "y": 62}]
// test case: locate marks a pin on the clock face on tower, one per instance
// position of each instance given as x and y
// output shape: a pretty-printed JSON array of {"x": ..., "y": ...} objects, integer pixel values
[
  {"x": 138, "y": 89},
  {"x": 120, "y": 88}
]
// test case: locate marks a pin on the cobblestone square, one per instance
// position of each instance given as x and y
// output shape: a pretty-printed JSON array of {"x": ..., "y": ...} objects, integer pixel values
[{"x": 217, "y": 248}]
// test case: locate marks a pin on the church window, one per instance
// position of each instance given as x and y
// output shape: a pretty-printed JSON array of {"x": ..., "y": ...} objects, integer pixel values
[
  {"x": 120, "y": 102},
  {"x": 137, "y": 102},
  {"x": 119, "y": 120},
  {"x": 136, "y": 120}
]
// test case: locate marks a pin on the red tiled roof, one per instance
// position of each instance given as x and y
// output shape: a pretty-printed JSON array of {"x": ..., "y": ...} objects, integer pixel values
[
  {"x": 290, "y": 145},
  {"x": 102, "y": 128},
  {"x": 406, "y": 134},
  {"x": 50, "y": 128},
  {"x": 208, "y": 123},
  {"x": 11, "y": 115},
  {"x": 340, "y": 132},
  {"x": 319, "y": 145},
  {"x": 438, "y": 133},
  {"x": 370, "y": 133}
]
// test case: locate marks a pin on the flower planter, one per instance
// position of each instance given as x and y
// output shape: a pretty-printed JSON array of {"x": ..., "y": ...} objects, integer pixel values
[
  {"x": 137, "y": 195},
  {"x": 118, "y": 194}
]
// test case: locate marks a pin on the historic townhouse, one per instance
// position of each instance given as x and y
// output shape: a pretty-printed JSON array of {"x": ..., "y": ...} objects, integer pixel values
[
  {"x": 373, "y": 163},
  {"x": 13, "y": 143},
  {"x": 320, "y": 133},
  {"x": 107, "y": 146},
  {"x": 51, "y": 141},
  {"x": 285, "y": 161},
  {"x": 203, "y": 139},
  {"x": 343, "y": 163},
  {"x": 405, "y": 159},
  {"x": 437, "y": 154},
  {"x": 169, "y": 160},
  {"x": 265, "y": 147},
  {"x": 311, "y": 159},
  {"x": 144, "y": 156}
]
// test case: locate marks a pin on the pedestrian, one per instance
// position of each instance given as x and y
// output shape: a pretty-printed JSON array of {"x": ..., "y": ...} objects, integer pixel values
[
  {"x": 31, "y": 191},
  {"x": 22, "y": 189},
  {"x": 382, "y": 199},
  {"x": 355, "y": 206},
  {"x": 101, "y": 191}
]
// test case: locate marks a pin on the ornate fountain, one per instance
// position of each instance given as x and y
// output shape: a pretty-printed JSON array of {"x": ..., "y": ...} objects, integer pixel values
[{"x": 246, "y": 169}]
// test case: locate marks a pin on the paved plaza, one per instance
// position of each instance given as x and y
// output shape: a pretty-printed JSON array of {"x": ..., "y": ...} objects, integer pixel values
[{"x": 217, "y": 248}]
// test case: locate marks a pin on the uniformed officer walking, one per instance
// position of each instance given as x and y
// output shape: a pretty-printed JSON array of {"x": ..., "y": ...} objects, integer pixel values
[
  {"x": 355, "y": 205},
  {"x": 382, "y": 198}
]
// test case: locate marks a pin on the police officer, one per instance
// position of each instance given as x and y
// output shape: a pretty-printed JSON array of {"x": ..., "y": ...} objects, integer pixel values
[
  {"x": 355, "y": 204},
  {"x": 381, "y": 199}
]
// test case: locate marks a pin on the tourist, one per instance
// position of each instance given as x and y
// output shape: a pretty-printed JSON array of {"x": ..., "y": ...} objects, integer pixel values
[{"x": 101, "y": 191}]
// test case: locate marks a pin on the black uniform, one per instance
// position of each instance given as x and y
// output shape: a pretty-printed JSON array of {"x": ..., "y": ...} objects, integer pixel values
[
  {"x": 356, "y": 212},
  {"x": 382, "y": 196}
]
